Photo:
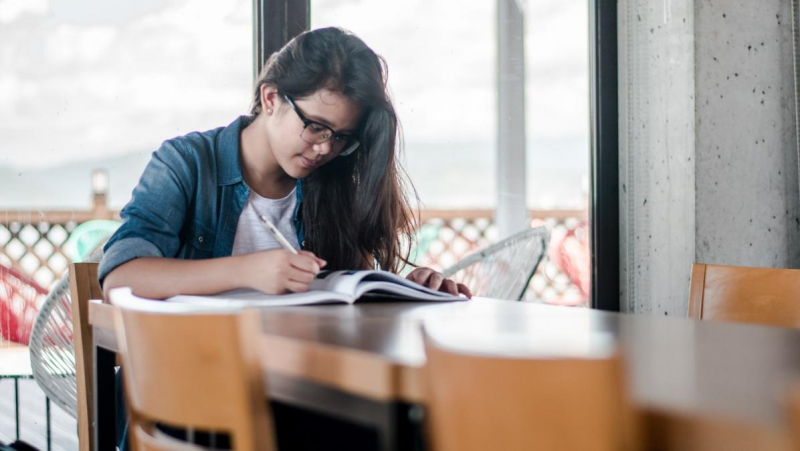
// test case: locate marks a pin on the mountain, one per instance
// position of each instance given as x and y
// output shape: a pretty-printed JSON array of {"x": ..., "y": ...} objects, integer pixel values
[
  {"x": 69, "y": 186},
  {"x": 446, "y": 175}
]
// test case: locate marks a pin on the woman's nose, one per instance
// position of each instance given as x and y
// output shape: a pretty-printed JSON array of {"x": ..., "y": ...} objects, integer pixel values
[{"x": 323, "y": 148}]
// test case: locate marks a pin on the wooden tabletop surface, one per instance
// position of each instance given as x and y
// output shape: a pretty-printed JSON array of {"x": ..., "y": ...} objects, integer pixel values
[{"x": 682, "y": 372}]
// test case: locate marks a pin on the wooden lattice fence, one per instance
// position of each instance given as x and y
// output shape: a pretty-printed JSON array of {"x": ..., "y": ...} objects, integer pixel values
[
  {"x": 33, "y": 243},
  {"x": 449, "y": 235}
]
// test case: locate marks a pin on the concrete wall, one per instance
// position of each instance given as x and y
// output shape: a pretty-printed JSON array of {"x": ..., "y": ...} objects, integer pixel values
[
  {"x": 708, "y": 155},
  {"x": 657, "y": 153},
  {"x": 747, "y": 191}
]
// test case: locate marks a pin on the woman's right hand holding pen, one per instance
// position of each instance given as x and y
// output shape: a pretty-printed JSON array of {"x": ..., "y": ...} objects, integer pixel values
[{"x": 279, "y": 271}]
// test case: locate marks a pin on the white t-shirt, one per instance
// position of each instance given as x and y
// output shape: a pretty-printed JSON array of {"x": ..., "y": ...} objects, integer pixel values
[{"x": 252, "y": 236}]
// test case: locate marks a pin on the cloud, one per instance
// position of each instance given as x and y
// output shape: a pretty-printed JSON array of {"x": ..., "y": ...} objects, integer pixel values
[
  {"x": 76, "y": 44},
  {"x": 442, "y": 59},
  {"x": 11, "y": 10},
  {"x": 78, "y": 89},
  {"x": 441, "y": 66},
  {"x": 117, "y": 84}
]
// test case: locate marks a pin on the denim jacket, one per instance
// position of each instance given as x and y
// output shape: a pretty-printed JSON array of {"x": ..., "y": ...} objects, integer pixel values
[{"x": 188, "y": 201}]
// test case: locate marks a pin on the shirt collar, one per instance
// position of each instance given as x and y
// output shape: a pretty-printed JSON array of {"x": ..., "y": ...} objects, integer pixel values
[{"x": 229, "y": 143}]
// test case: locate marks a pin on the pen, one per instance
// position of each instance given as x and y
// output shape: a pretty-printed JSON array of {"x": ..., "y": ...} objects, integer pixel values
[{"x": 277, "y": 234}]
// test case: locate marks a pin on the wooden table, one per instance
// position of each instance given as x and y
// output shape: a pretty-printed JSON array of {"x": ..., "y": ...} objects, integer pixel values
[{"x": 699, "y": 385}]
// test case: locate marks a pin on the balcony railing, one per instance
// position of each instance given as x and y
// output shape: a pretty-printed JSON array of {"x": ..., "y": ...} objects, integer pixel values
[
  {"x": 33, "y": 243},
  {"x": 447, "y": 236}
]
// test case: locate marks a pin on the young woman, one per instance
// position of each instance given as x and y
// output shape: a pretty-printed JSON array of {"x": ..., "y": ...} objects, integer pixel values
[{"x": 317, "y": 156}]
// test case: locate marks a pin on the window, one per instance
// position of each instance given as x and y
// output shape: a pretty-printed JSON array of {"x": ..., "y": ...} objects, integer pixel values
[
  {"x": 89, "y": 90},
  {"x": 96, "y": 85},
  {"x": 442, "y": 73}
]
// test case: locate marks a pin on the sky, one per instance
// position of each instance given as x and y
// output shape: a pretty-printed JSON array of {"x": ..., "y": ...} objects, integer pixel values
[
  {"x": 87, "y": 80},
  {"x": 79, "y": 79},
  {"x": 441, "y": 57}
]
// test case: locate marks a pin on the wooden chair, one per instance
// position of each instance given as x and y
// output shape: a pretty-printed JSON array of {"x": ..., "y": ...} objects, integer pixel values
[
  {"x": 753, "y": 295},
  {"x": 480, "y": 402},
  {"x": 83, "y": 286},
  {"x": 194, "y": 371}
]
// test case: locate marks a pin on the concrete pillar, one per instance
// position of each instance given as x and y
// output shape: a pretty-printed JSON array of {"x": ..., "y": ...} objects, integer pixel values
[
  {"x": 708, "y": 152},
  {"x": 512, "y": 213},
  {"x": 747, "y": 192},
  {"x": 657, "y": 153}
]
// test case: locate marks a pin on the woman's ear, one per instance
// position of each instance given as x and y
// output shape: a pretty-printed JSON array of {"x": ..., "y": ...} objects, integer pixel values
[{"x": 269, "y": 98}]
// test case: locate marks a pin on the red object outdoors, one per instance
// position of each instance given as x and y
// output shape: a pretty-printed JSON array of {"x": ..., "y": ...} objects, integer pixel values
[
  {"x": 20, "y": 298},
  {"x": 570, "y": 252}
]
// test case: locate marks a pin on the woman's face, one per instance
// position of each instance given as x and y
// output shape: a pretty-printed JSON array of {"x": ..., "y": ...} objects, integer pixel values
[{"x": 289, "y": 144}]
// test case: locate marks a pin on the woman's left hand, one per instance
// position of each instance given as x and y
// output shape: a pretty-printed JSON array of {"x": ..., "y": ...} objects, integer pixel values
[{"x": 435, "y": 281}]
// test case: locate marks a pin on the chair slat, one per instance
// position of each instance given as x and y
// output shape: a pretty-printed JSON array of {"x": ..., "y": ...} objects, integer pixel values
[{"x": 754, "y": 295}]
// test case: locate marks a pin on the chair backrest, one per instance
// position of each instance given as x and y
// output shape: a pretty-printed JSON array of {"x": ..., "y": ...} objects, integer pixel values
[
  {"x": 52, "y": 350},
  {"x": 753, "y": 295},
  {"x": 83, "y": 288},
  {"x": 504, "y": 269},
  {"x": 480, "y": 402},
  {"x": 197, "y": 371}
]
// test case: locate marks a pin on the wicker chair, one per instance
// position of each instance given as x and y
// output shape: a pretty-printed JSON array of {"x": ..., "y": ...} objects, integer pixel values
[
  {"x": 20, "y": 296},
  {"x": 504, "y": 269},
  {"x": 52, "y": 348}
]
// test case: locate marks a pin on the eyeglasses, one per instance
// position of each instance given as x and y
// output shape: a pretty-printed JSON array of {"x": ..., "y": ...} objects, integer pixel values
[{"x": 316, "y": 133}]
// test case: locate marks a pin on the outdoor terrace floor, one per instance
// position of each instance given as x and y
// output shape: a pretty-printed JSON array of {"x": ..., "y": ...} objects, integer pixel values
[{"x": 14, "y": 361}]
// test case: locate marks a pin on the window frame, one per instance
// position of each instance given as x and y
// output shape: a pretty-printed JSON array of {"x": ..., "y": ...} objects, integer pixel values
[
  {"x": 604, "y": 156},
  {"x": 275, "y": 22}
]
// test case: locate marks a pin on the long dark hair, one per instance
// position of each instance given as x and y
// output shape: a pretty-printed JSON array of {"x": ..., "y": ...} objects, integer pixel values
[{"x": 355, "y": 207}]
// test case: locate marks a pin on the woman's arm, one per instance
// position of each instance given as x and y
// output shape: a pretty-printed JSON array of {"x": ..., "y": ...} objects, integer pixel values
[{"x": 274, "y": 272}]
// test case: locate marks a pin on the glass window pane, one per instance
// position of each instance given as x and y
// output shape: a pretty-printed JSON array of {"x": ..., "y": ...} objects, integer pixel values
[
  {"x": 442, "y": 73},
  {"x": 93, "y": 85},
  {"x": 96, "y": 84},
  {"x": 557, "y": 95},
  {"x": 443, "y": 94}
]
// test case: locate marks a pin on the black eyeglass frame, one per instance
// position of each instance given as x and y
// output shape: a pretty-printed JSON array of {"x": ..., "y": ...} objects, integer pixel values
[{"x": 333, "y": 134}]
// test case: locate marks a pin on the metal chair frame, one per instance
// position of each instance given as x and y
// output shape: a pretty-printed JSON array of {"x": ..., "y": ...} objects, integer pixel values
[
  {"x": 52, "y": 347},
  {"x": 540, "y": 234}
]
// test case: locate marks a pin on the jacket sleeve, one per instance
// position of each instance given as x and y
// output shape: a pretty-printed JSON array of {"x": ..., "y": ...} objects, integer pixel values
[{"x": 154, "y": 217}]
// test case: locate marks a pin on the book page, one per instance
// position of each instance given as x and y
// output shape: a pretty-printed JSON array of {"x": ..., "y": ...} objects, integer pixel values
[
  {"x": 394, "y": 279},
  {"x": 405, "y": 292},
  {"x": 343, "y": 282},
  {"x": 330, "y": 287},
  {"x": 253, "y": 298},
  {"x": 356, "y": 283}
]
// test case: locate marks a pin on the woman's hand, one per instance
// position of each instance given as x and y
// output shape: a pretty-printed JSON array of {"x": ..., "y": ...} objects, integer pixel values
[
  {"x": 435, "y": 281},
  {"x": 278, "y": 271}
]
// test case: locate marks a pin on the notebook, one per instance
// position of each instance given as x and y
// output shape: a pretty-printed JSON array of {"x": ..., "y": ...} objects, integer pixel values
[{"x": 330, "y": 287}]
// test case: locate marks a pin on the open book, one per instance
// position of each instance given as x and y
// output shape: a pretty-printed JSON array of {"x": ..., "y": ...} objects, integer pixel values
[{"x": 330, "y": 287}]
